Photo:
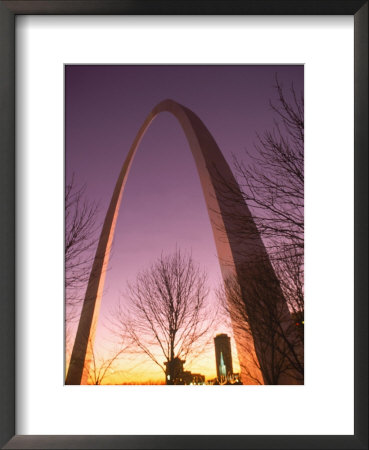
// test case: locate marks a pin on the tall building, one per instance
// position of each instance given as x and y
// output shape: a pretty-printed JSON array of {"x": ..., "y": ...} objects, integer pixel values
[{"x": 223, "y": 355}]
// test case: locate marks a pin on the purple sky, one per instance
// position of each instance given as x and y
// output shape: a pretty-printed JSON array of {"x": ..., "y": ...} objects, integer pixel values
[{"x": 162, "y": 204}]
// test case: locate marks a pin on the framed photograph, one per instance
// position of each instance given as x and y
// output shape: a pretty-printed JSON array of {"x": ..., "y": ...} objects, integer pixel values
[
  {"x": 175, "y": 178},
  {"x": 162, "y": 314}
]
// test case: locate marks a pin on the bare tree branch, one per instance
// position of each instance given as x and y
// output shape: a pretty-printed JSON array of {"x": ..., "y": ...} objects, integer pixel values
[
  {"x": 271, "y": 180},
  {"x": 167, "y": 315},
  {"x": 80, "y": 240}
]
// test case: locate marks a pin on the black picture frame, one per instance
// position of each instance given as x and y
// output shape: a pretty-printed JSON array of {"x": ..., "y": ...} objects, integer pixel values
[{"x": 8, "y": 12}]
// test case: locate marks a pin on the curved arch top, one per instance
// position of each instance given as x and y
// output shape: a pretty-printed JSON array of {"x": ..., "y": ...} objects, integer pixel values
[{"x": 233, "y": 251}]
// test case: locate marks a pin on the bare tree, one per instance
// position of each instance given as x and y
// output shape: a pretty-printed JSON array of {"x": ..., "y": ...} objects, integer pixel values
[
  {"x": 271, "y": 181},
  {"x": 167, "y": 315},
  {"x": 80, "y": 228},
  {"x": 272, "y": 346},
  {"x": 101, "y": 368},
  {"x": 80, "y": 239},
  {"x": 272, "y": 184}
]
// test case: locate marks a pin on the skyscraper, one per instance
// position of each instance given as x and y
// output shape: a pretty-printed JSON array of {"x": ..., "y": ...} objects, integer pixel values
[{"x": 223, "y": 355}]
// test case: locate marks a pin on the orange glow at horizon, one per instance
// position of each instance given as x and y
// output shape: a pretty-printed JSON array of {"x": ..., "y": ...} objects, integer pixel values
[{"x": 137, "y": 369}]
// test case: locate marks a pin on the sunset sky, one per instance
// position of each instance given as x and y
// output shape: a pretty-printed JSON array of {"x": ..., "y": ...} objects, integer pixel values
[{"x": 163, "y": 206}]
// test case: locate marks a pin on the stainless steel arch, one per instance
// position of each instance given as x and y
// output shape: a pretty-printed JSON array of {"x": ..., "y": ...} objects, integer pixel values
[{"x": 232, "y": 250}]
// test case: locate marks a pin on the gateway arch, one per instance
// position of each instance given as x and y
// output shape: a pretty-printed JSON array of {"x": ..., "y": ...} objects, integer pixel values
[{"x": 238, "y": 256}]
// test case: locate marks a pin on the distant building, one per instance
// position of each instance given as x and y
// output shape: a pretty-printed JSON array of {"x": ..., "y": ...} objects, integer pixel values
[
  {"x": 173, "y": 370},
  {"x": 223, "y": 356},
  {"x": 191, "y": 378},
  {"x": 176, "y": 375},
  {"x": 232, "y": 379}
]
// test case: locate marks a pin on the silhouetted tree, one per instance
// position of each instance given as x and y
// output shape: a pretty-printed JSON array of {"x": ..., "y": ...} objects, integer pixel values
[
  {"x": 271, "y": 348},
  {"x": 80, "y": 228},
  {"x": 271, "y": 181},
  {"x": 100, "y": 368},
  {"x": 80, "y": 238},
  {"x": 167, "y": 315}
]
